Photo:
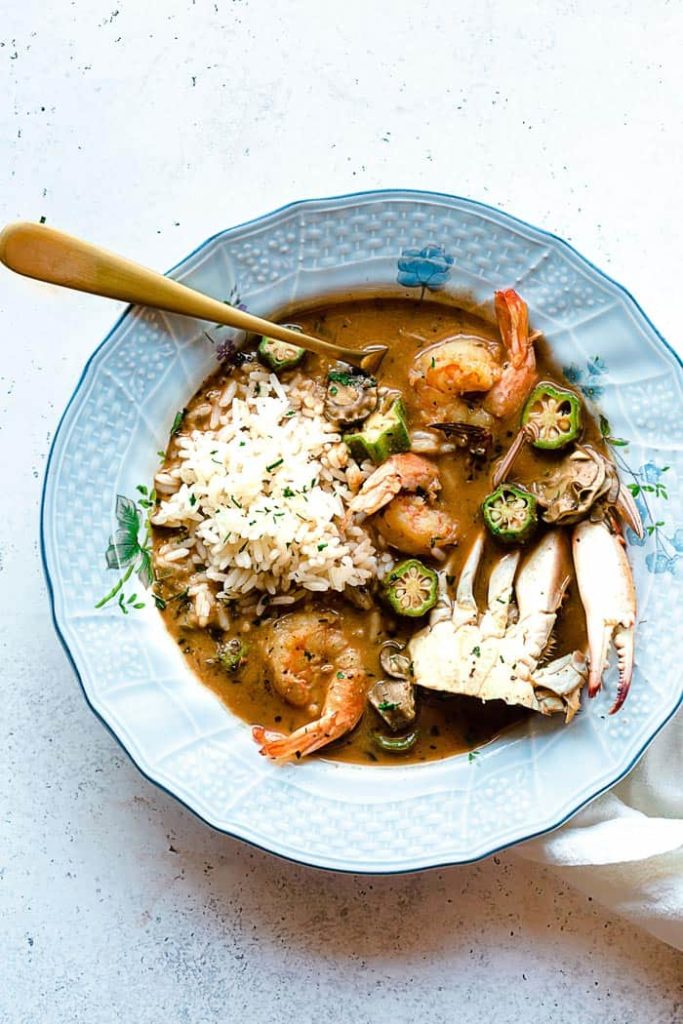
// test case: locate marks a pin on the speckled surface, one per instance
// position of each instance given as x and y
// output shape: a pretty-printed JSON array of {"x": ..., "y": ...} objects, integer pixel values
[{"x": 147, "y": 131}]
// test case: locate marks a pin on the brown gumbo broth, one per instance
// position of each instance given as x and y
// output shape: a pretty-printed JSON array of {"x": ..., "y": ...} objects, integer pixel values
[{"x": 446, "y": 724}]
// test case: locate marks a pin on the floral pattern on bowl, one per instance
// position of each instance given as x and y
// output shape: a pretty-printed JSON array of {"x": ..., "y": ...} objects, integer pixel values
[{"x": 334, "y": 815}]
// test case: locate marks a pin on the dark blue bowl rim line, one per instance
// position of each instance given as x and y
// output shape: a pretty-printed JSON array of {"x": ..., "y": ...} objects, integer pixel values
[{"x": 365, "y": 195}]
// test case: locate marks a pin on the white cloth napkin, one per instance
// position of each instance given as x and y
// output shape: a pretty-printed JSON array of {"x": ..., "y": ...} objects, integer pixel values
[{"x": 626, "y": 848}]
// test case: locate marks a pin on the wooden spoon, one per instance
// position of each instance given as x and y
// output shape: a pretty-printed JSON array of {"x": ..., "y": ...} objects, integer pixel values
[{"x": 48, "y": 255}]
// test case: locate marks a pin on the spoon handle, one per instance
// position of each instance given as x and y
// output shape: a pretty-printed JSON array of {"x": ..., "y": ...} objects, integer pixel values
[{"x": 49, "y": 255}]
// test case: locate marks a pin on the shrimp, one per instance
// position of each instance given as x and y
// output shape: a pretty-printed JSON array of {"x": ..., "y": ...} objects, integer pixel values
[
  {"x": 445, "y": 371},
  {"x": 406, "y": 472},
  {"x": 299, "y": 648},
  {"x": 409, "y": 524},
  {"x": 457, "y": 366},
  {"x": 519, "y": 373},
  {"x": 343, "y": 707}
]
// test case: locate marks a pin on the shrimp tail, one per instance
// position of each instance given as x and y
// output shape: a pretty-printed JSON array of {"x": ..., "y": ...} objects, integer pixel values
[
  {"x": 301, "y": 742},
  {"x": 519, "y": 373},
  {"x": 513, "y": 321}
]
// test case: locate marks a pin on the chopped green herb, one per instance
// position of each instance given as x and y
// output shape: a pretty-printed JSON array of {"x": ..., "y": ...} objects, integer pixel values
[
  {"x": 274, "y": 465},
  {"x": 476, "y": 651},
  {"x": 387, "y": 705},
  {"x": 288, "y": 493},
  {"x": 340, "y": 675},
  {"x": 193, "y": 500},
  {"x": 232, "y": 655},
  {"x": 321, "y": 547},
  {"x": 349, "y": 379},
  {"x": 178, "y": 422}
]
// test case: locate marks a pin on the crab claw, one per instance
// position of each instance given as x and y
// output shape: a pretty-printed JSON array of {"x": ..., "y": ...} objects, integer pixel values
[{"x": 609, "y": 601}]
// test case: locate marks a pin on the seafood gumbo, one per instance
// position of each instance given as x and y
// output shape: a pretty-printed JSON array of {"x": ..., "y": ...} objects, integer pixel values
[{"x": 396, "y": 568}]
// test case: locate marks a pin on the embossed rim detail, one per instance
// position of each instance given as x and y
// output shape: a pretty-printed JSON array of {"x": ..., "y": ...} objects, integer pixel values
[{"x": 274, "y": 844}]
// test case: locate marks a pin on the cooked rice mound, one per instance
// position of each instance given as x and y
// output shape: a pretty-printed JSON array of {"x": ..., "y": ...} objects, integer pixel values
[{"x": 261, "y": 493}]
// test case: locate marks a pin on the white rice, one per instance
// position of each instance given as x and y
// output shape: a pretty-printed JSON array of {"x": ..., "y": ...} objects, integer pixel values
[{"x": 261, "y": 493}]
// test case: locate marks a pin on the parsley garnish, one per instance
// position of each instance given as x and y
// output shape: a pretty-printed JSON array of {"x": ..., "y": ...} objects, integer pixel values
[
  {"x": 177, "y": 422},
  {"x": 274, "y": 465},
  {"x": 387, "y": 705}
]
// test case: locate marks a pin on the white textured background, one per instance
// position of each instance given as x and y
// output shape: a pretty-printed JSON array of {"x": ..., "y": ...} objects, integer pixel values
[{"x": 147, "y": 126}]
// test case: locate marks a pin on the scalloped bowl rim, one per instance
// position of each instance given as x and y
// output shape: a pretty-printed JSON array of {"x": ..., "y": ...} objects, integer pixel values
[{"x": 262, "y": 219}]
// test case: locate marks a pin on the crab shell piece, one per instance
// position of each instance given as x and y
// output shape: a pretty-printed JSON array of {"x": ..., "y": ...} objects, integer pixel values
[
  {"x": 585, "y": 482},
  {"x": 609, "y": 599},
  {"x": 578, "y": 482},
  {"x": 491, "y": 657}
]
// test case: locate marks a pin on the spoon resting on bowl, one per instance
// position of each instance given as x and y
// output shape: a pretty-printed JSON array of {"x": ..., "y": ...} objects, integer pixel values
[{"x": 49, "y": 255}]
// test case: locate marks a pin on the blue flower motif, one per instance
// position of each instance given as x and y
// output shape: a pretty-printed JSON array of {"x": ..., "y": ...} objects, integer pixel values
[
  {"x": 592, "y": 390},
  {"x": 572, "y": 373},
  {"x": 596, "y": 366},
  {"x": 424, "y": 268},
  {"x": 659, "y": 563},
  {"x": 585, "y": 381},
  {"x": 676, "y": 567},
  {"x": 651, "y": 472},
  {"x": 677, "y": 540}
]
